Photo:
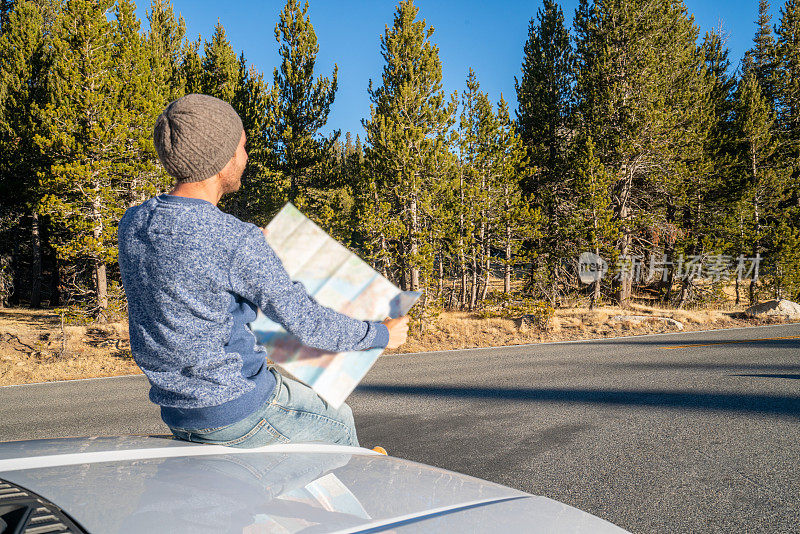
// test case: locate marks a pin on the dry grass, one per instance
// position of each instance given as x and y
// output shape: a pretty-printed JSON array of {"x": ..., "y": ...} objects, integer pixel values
[
  {"x": 459, "y": 330},
  {"x": 34, "y": 348}
]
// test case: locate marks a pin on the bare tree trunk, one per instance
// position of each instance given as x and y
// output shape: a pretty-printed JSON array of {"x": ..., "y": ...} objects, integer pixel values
[
  {"x": 16, "y": 278},
  {"x": 486, "y": 283},
  {"x": 667, "y": 285},
  {"x": 596, "y": 293},
  {"x": 36, "y": 262},
  {"x": 102, "y": 287},
  {"x": 553, "y": 268},
  {"x": 738, "y": 296},
  {"x": 403, "y": 273},
  {"x": 101, "y": 283},
  {"x": 5, "y": 285},
  {"x": 756, "y": 221},
  {"x": 384, "y": 266},
  {"x": 440, "y": 288},
  {"x": 451, "y": 296},
  {"x": 462, "y": 300},
  {"x": 55, "y": 284},
  {"x": 625, "y": 284},
  {"x": 480, "y": 292},
  {"x": 507, "y": 277},
  {"x": 474, "y": 289},
  {"x": 414, "y": 245},
  {"x": 741, "y": 253}
]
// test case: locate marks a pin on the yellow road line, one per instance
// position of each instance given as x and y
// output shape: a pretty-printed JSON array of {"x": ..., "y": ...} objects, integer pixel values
[{"x": 728, "y": 342}]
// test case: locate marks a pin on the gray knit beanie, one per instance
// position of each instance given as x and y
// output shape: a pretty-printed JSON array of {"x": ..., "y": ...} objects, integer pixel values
[{"x": 196, "y": 136}]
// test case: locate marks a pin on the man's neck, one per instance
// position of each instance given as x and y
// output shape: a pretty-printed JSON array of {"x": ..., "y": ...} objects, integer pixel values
[{"x": 208, "y": 190}]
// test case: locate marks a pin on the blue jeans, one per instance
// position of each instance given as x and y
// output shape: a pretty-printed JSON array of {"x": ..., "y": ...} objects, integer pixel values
[{"x": 293, "y": 412}]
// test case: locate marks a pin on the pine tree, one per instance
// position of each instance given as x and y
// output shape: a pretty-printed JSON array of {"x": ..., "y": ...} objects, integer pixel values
[
  {"x": 592, "y": 185},
  {"x": 95, "y": 132},
  {"x": 191, "y": 67},
  {"x": 787, "y": 231},
  {"x": 545, "y": 97},
  {"x": 761, "y": 184},
  {"x": 23, "y": 90},
  {"x": 697, "y": 202},
  {"x": 477, "y": 135},
  {"x": 165, "y": 39},
  {"x": 788, "y": 67},
  {"x": 762, "y": 55},
  {"x": 785, "y": 271},
  {"x": 304, "y": 103},
  {"x": 141, "y": 90},
  {"x": 407, "y": 136},
  {"x": 707, "y": 217},
  {"x": 518, "y": 221},
  {"x": 221, "y": 74}
]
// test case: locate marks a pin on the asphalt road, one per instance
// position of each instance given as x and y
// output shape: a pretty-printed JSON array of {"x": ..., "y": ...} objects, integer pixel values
[{"x": 695, "y": 432}]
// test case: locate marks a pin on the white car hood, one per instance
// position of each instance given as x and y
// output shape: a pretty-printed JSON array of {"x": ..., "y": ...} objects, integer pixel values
[{"x": 146, "y": 484}]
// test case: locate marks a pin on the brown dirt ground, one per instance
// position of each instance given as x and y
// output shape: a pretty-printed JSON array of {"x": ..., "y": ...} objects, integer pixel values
[{"x": 34, "y": 347}]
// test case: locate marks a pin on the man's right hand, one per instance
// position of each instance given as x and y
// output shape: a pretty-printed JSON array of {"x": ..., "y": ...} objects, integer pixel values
[{"x": 398, "y": 331}]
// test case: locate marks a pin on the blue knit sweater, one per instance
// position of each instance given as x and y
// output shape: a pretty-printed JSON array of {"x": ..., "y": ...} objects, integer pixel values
[{"x": 194, "y": 277}]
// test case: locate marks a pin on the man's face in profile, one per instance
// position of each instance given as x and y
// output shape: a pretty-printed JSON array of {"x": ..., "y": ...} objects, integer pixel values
[{"x": 231, "y": 175}]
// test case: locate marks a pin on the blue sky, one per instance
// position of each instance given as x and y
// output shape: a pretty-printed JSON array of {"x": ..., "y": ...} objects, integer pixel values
[{"x": 487, "y": 36}]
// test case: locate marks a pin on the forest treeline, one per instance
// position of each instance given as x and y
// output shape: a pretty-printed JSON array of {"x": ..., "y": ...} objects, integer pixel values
[{"x": 634, "y": 138}]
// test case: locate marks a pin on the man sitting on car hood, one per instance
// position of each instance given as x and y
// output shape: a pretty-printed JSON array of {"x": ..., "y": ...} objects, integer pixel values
[{"x": 194, "y": 277}]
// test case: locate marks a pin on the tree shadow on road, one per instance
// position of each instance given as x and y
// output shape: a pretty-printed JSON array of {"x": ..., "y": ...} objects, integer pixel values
[
  {"x": 765, "y": 375},
  {"x": 645, "y": 366},
  {"x": 723, "y": 402},
  {"x": 677, "y": 345}
]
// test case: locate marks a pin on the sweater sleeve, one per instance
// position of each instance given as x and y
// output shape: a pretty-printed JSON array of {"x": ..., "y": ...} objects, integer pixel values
[{"x": 257, "y": 274}]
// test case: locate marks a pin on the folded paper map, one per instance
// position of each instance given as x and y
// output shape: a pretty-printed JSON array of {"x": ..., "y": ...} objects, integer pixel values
[{"x": 338, "y": 279}]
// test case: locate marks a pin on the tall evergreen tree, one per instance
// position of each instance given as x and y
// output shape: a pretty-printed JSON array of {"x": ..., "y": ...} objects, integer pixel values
[
  {"x": 788, "y": 67},
  {"x": 191, "y": 68},
  {"x": 473, "y": 206},
  {"x": 221, "y": 74},
  {"x": 712, "y": 211},
  {"x": 518, "y": 220},
  {"x": 304, "y": 103},
  {"x": 407, "y": 136},
  {"x": 95, "y": 119},
  {"x": 545, "y": 97},
  {"x": 787, "y": 231},
  {"x": 165, "y": 39},
  {"x": 164, "y": 44},
  {"x": 761, "y": 182},
  {"x": 762, "y": 56},
  {"x": 23, "y": 90},
  {"x": 698, "y": 200},
  {"x": 592, "y": 185}
]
